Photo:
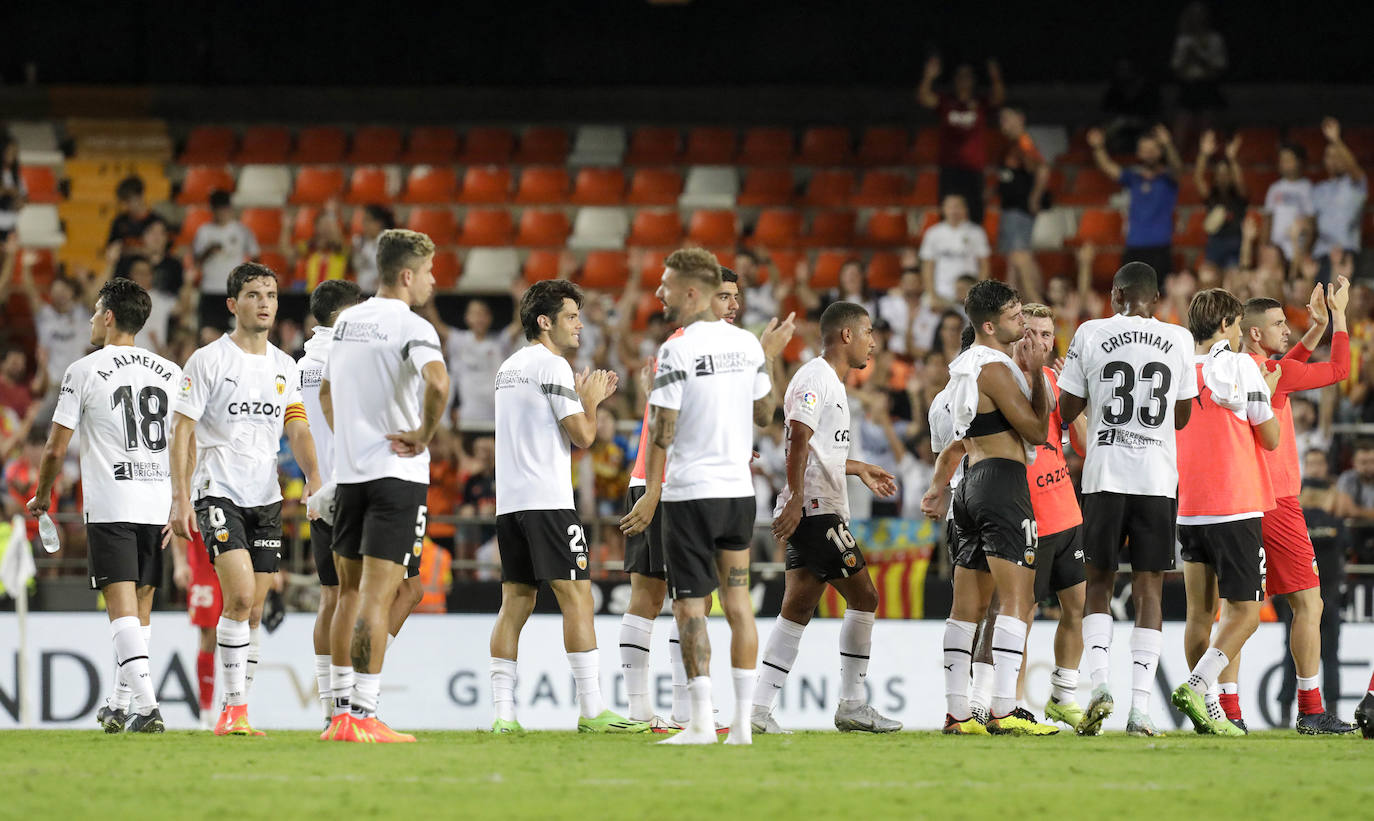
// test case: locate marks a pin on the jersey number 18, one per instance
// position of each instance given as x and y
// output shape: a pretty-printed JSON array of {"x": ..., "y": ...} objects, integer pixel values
[{"x": 146, "y": 423}]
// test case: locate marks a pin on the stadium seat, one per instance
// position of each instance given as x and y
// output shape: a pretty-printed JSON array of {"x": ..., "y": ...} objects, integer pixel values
[
  {"x": 884, "y": 270},
  {"x": 655, "y": 229},
  {"x": 320, "y": 145},
  {"x": 710, "y": 146},
  {"x": 303, "y": 224},
  {"x": 431, "y": 145},
  {"x": 1090, "y": 187},
  {"x": 1188, "y": 193},
  {"x": 40, "y": 227},
  {"x": 1258, "y": 146},
  {"x": 825, "y": 274},
  {"x": 430, "y": 184},
  {"x": 200, "y": 181},
  {"x": 315, "y": 185},
  {"x": 276, "y": 261},
  {"x": 1051, "y": 227},
  {"x": 1105, "y": 266},
  {"x": 879, "y": 188},
  {"x": 778, "y": 228},
  {"x": 653, "y": 145},
  {"x": 599, "y": 186},
  {"x": 767, "y": 146},
  {"x": 1055, "y": 264},
  {"x": 826, "y": 145},
  {"x": 543, "y": 228},
  {"x": 925, "y": 149},
  {"x": 654, "y": 186},
  {"x": 543, "y": 186},
  {"x": 710, "y": 186},
  {"x": 487, "y": 226},
  {"x": 1193, "y": 234},
  {"x": 262, "y": 185},
  {"x": 599, "y": 228},
  {"x": 830, "y": 189},
  {"x": 883, "y": 145},
  {"x": 265, "y": 223},
  {"x": 487, "y": 146},
  {"x": 831, "y": 229},
  {"x": 485, "y": 184},
  {"x": 598, "y": 145},
  {"x": 542, "y": 145},
  {"x": 41, "y": 184},
  {"x": 195, "y": 217},
  {"x": 886, "y": 228},
  {"x": 605, "y": 270},
  {"x": 928, "y": 219},
  {"x": 447, "y": 270},
  {"x": 926, "y": 192},
  {"x": 489, "y": 271},
  {"x": 375, "y": 145},
  {"x": 264, "y": 145},
  {"x": 767, "y": 186},
  {"x": 713, "y": 229},
  {"x": 1257, "y": 182},
  {"x": 438, "y": 223},
  {"x": 209, "y": 145},
  {"x": 368, "y": 186},
  {"x": 541, "y": 265},
  {"x": 1101, "y": 227},
  {"x": 992, "y": 221},
  {"x": 784, "y": 263}
]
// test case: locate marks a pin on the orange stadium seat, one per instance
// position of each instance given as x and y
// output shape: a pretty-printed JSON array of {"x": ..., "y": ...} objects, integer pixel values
[
  {"x": 541, "y": 264},
  {"x": 826, "y": 145},
  {"x": 926, "y": 193},
  {"x": 485, "y": 226},
  {"x": 200, "y": 181},
  {"x": 1188, "y": 193},
  {"x": 368, "y": 186},
  {"x": 784, "y": 263},
  {"x": 767, "y": 146},
  {"x": 1055, "y": 264},
  {"x": 767, "y": 186},
  {"x": 542, "y": 145},
  {"x": 447, "y": 270},
  {"x": 1105, "y": 266},
  {"x": 654, "y": 186},
  {"x": 1257, "y": 182},
  {"x": 886, "y": 228},
  {"x": 831, "y": 229},
  {"x": 928, "y": 219},
  {"x": 1193, "y": 234},
  {"x": 605, "y": 270},
  {"x": 303, "y": 225},
  {"x": 543, "y": 185},
  {"x": 655, "y": 229},
  {"x": 883, "y": 145},
  {"x": 315, "y": 184},
  {"x": 713, "y": 229},
  {"x": 264, "y": 144},
  {"x": 884, "y": 270},
  {"x": 830, "y": 189},
  {"x": 487, "y": 146},
  {"x": 826, "y": 272},
  {"x": 485, "y": 184},
  {"x": 276, "y": 261},
  {"x": 196, "y": 216},
  {"x": 322, "y": 144},
  {"x": 1101, "y": 227},
  {"x": 599, "y": 186},
  {"x": 41, "y": 184},
  {"x": 375, "y": 145},
  {"x": 710, "y": 146},
  {"x": 543, "y": 228},
  {"x": 992, "y": 221},
  {"x": 1090, "y": 187},
  {"x": 265, "y": 223},
  {"x": 431, "y": 145},
  {"x": 778, "y": 228},
  {"x": 1257, "y": 145},
  {"x": 651, "y": 271},
  {"x": 438, "y": 223},
  {"x": 881, "y": 188},
  {"x": 653, "y": 145},
  {"x": 925, "y": 149},
  {"x": 209, "y": 145},
  {"x": 430, "y": 184}
]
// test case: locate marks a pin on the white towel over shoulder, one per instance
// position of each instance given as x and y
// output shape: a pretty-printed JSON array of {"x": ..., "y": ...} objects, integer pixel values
[
  {"x": 962, "y": 391},
  {"x": 1236, "y": 383}
]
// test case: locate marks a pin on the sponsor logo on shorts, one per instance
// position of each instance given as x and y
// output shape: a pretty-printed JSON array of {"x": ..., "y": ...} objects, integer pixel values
[
  {"x": 267, "y": 544},
  {"x": 581, "y": 561},
  {"x": 1078, "y": 554},
  {"x": 1029, "y": 556},
  {"x": 221, "y": 534}
]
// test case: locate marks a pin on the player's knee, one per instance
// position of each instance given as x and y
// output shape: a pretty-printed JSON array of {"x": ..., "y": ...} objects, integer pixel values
[
  {"x": 238, "y": 605},
  {"x": 865, "y": 599}
]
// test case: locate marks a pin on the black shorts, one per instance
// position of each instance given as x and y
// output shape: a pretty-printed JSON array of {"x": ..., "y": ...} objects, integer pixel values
[
  {"x": 322, "y": 548},
  {"x": 993, "y": 515},
  {"x": 1235, "y": 550},
  {"x": 693, "y": 531},
  {"x": 644, "y": 552},
  {"x": 824, "y": 545},
  {"x": 225, "y": 526},
  {"x": 123, "y": 552},
  {"x": 1061, "y": 562},
  {"x": 1143, "y": 525},
  {"x": 541, "y": 546},
  {"x": 381, "y": 518}
]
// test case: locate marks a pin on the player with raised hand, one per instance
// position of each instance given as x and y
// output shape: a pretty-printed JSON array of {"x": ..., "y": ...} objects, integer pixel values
[
  {"x": 812, "y": 517},
  {"x": 119, "y": 398},
  {"x": 1135, "y": 376},
  {"x": 237, "y": 396}
]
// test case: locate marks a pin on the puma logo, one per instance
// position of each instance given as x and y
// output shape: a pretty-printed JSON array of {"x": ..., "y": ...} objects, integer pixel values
[
  {"x": 1100, "y": 647},
  {"x": 1142, "y": 664},
  {"x": 949, "y": 667}
]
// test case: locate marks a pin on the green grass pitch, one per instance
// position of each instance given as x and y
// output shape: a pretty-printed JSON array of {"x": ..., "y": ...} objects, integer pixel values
[{"x": 293, "y": 775}]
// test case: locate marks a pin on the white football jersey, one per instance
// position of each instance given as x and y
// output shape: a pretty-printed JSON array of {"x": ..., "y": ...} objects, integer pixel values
[
  {"x": 311, "y": 367},
  {"x": 119, "y": 400},
  {"x": 534, "y": 394},
  {"x": 377, "y": 386},
  {"x": 711, "y": 375},
  {"x": 941, "y": 421},
  {"x": 238, "y": 401},
  {"x": 1131, "y": 370},
  {"x": 817, "y": 398},
  {"x": 474, "y": 363}
]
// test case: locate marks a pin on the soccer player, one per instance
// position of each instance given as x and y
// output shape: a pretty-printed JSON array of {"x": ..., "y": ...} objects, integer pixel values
[
  {"x": 383, "y": 396},
  {"x": 812, "y": 517},
  {"x": 118, "y": 398},
  {"x": 710, "y": 381},
  {"x": 1290, "y": 563},
  {"x": 1223, "y": 491},
  {"x": 237, "y": 396},
  {"x": 542, "y": 410},
  {"x": 1001, "y": 415},
  {"x": 193, "y": 573},
  {"x": 1135, "y": 376}
]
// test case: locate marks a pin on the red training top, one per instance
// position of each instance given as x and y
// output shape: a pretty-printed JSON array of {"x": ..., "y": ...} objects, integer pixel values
[
  {"x": 1051, "y": 487},
  {"x": 1299, "y": 375},
  {"x": 1220, "y": 470},
  {"x": 963, "y": 127}
]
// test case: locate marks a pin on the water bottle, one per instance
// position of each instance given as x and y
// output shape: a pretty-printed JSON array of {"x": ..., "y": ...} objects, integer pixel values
[{"x": 47, "y": 531}]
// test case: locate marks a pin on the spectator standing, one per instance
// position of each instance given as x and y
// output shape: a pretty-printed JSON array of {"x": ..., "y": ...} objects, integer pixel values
[
  {"x": 474, "y": 353},
  {"x": 1225, "y": 197},
  {"x": 1022, "y": 182},
  {"x": 1288, "y": 203},
  {"x": 1153, "y": 186},
  {"x": 1199, "y": 59},
  {"x": 168, "y": 273},
  {"x": 963, "y": 126},
  {"x": 1355, "y": 499},
  {"x": 63, "y": 324},
  {"x": 852, "y": 287},
  {"x": 12, "y": 191},
  {"x": 133, "y": 217},
  {"x": 376, "y": 219},
  {"x": 758, "y": 299},
  {"x": 17, "y": 391},
  {"x": 611, "y": 464},
  {"x": 908, "y": 314},
  {"x": 950, "y": 249},
  {"x": 324, "y": 254},
  {"x": 1338, "y": 201},
  {"x": 219, "y": 246}
]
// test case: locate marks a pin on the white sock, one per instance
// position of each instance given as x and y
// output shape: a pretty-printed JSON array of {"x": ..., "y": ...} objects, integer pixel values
[
  {"x": 366, "y": 688},
  {"x": 682, "y": 700},
  {"x": 390, "y": 640},
  {"x": 703, "y": 719},
  {"x": 122, "y": 695},
  {"x": 980, "y": 693},
  {"x": 1064, "y": 685},
  {"x": 778, "y": 656},
  {"x": 1212, "y": 700},
  {"x": 341, "y": 688},
  {"x": 1008, "y": 643},
  {"x": 586, "y": 670},
  {"x": 1307, "y": 682},
  {"x": 1097, "y": 646},
  {"x": 322, "y": 684},
  {"x": 958, "y": 657},
  {"x": 147, "y": 631},
  {"x": 856, "y": 642},
  {"x": 635, "y": 634},
  {"x": 254, "y": 639},
  {"x": 741, "y": 730},
  {"x": 1145, "y": 644},
  {"x": 503, "y": 688},
  {"x": 232, "y": 637},
  {"x": 1207, "y": 669},
  {"x": 1230, "y": 688},
  {"x": 132, "y": 656}
]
